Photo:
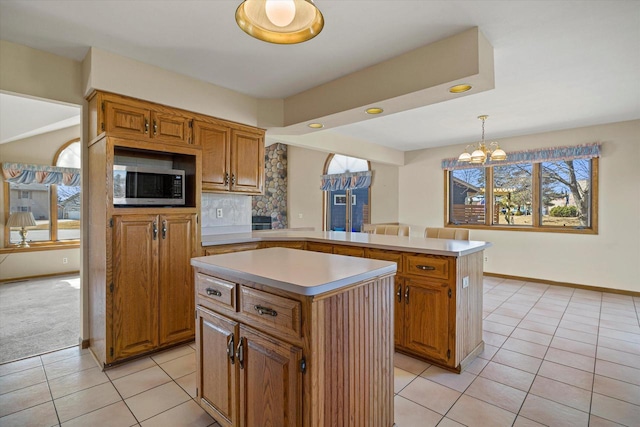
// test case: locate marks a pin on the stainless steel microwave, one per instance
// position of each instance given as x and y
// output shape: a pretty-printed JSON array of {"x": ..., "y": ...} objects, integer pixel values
[{"x": 147, "y": 186}]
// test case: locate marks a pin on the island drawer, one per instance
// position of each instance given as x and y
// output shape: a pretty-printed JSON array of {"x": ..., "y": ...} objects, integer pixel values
[
  {"x": 275, "y": 311},
  {"x": 216, "y": 290},
  {"x": 428, "y": 266}
]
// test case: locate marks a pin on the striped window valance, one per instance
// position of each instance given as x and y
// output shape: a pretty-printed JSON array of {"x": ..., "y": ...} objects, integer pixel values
[
  {"x": 345, "y": 181},
  {"x": 20, "y": 173},
  {"x": 586, "y": 151}
]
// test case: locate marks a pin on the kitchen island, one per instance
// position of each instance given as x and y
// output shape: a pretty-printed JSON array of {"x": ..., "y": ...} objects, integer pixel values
[
  {"x": 438, "y": 285},
  {"x": 287, "y": 337}
]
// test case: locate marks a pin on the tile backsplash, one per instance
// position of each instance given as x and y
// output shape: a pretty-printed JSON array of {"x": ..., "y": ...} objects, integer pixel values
[{"x": 236, "y": 213}]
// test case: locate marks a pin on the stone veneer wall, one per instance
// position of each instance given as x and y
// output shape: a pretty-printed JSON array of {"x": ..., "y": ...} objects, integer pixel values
[{"x": 274, "y": 201}]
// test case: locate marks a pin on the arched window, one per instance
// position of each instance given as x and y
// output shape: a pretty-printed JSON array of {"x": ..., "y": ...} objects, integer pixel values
[{"x": 346, "y": 184}]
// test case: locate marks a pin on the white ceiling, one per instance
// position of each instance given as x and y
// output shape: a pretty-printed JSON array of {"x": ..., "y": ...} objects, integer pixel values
[
  {"x": 22, "y": 117},
  {"x": 558, "y": 64}
]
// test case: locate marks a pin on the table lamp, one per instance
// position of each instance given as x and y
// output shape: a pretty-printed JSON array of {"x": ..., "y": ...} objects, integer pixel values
[{"x": 21, "y": 220}]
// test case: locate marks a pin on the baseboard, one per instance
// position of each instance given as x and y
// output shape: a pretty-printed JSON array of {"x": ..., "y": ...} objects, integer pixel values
[
  {"x": 83, "y": 343},
  {"x": 565, "y": 284},
  {"x": 40, "y": 276}
]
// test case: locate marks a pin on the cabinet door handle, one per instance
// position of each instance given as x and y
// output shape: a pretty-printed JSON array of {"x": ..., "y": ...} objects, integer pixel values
[
  {"x": 264, "y": 310},
  {"x": 226, "y": 178},
  {"x": 155, "y": 230},
  {"x": 164, "y": 229},
  {"x": 240, "y": 354},
  {"x": 214, "y": 292},
  {"x": 155, "y": 128},
  {"x": 230, "y": 350},
  {"x": 146, "y": 126},
  {"x": 233, "y": 179},
  {"x": 399, "y": 293},
  {"x": 426, "y": 267},
  {"x": 406, "y": 295}
]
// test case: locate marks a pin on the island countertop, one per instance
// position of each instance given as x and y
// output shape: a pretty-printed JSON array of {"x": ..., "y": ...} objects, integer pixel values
[
  {"x": 445, "y": 247},
  {"x": 302, "y": 272}
]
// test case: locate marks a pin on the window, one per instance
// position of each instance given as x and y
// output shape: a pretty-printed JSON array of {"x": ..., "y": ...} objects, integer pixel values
[
  {"x": 346, "y": 178},
  {"x": 55, "y": 206},
  {"x": 552, "y": 194}
]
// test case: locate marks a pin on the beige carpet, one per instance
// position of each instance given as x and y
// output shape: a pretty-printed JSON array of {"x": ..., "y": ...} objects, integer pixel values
[{"x": 38, "y": 316}]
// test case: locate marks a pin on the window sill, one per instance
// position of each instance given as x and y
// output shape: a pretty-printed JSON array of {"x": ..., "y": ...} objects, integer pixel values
[
  {"x": 525, "y": 228},
  {"x": 41, "y": 246}
]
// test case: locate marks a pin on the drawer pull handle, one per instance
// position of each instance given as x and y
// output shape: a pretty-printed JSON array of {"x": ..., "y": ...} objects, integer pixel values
[
  {"x": 426, "y": 267},
  {"x": 214, "y": 292},
  {"x": 264, "y": 310}
]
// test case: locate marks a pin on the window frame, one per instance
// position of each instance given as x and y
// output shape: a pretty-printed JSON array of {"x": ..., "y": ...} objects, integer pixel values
[
  {"x": 53, "y": 241},
  {"x": 536, "y": 225}
]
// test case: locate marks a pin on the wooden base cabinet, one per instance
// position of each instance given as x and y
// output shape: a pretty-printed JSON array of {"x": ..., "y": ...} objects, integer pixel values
[
  {"x": 153, "y": 302},
  {"x": 267, "y": 357}
]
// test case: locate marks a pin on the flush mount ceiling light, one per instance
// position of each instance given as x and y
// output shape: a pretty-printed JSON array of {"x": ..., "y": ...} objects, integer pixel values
[
  {"x": 481, "y": 152},
  {"x": 460, "y": 88},
  {"x": 374, "y": 110},
  {"x": 315, "y": 125},
  {"x": 280, "y": 21}
]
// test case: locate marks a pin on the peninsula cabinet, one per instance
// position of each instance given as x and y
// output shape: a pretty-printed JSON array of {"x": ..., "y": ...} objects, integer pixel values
[
  {"x": 152, "y": 282},
  {"x": 232, "y": 157}
]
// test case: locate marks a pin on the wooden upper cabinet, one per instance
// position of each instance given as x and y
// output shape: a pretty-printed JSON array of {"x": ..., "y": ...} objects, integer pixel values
[
  {"x": 247, "y": 161},
  {"x": 215, "y": 140},
  {"x": 126, "y": 120},
  {"x": 130, "y": 118},
  {"x": 167, "y": 127}
]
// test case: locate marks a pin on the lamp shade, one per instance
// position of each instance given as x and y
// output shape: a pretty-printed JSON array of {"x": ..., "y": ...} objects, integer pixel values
[
  {"x": 21, "y": 219},
  {"x": 280, "y": 21}
]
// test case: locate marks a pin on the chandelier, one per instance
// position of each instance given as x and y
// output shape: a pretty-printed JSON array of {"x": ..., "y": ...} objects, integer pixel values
[
  {"x": 280, "y": 21},
  {"x": 482, "y": 151}
]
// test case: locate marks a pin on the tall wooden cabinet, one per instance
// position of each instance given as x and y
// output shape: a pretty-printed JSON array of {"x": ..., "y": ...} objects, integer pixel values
[{"x": 152, "y": 281}]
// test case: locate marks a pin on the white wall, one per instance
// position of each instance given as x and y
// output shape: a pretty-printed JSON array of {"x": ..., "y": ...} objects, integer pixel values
[
  {"x": 610, "y": 259},
  {"x": 305, "y": 196}
]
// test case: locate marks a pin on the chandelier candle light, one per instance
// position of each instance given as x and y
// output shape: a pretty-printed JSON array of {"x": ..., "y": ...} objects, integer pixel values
[
  {"x": 482, "y": 151},
  {"x": 280, "y": 21}
]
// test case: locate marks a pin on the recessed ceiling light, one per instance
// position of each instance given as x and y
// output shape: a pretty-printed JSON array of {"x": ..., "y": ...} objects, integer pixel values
[
  {"x": 460, "y": 88},
  {"x": 374, "y": 110},
  {"x": 315, "y": 125}
]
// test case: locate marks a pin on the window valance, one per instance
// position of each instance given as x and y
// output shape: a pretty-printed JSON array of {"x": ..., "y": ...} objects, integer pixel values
[
  {"x": 346, "y": 181},
  {"x": 20, "y": 173},
  {"x": 586, "y": 151}
]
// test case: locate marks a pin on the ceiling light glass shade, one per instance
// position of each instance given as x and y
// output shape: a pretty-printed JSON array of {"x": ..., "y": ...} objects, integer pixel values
[
  {"x": 280, "y": 21},
  {"x": 478, "y": 156},
  {"x": 498, "y": 154},
  {"x": 464, "y": 157}
]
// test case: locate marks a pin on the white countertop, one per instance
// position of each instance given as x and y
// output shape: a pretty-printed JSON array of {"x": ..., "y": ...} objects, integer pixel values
[
  {"x": 446, "y": 247},
  {"x": 302, "y": 272}
]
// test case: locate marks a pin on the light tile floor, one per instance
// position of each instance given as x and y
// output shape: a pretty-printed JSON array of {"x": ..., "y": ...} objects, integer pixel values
[{"x": 553, "y": 356}]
